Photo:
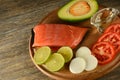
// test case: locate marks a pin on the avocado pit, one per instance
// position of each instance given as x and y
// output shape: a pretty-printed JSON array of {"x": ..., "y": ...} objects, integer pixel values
[{"x": 79, "y": 8}]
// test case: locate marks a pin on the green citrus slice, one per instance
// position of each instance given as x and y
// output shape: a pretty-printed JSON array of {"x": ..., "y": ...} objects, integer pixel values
[
  {"x": 55, "y": 62},
  {"x": 66, "y": 52},
  {"x": 42, "y": 54}
]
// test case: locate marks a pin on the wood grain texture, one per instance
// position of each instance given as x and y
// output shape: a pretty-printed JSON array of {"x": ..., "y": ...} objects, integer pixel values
[{"x": 17, "y": 17}]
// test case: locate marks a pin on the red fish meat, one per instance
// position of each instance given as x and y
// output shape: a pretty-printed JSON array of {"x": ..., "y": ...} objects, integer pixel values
[{"x": 57, "y": 35}]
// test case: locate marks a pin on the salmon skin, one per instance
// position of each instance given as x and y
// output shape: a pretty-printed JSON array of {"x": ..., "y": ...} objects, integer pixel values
[{"x": 57, "y": 35}]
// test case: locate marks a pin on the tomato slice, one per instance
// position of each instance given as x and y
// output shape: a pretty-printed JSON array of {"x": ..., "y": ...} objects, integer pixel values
[
  {"x": 104, "y": 52},
  {"x": 112, "y": 38},
  {"x": 113, "y": 28}
]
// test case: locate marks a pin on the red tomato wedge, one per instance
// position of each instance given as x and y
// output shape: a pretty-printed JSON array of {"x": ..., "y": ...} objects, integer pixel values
[
  {"x": 114, "y": 28},
  {"x": 104, "y": 52},
  {"x": 57, "y": 35},
  {"x": 112, "y": 38}
]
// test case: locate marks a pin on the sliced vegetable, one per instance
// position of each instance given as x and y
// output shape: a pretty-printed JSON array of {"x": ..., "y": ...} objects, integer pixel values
[
  {"x": 91, "y": 62},
  {"x": 115, "y": 28},
  {"x": 104, "y": 52},
  {"x": 55, "y": 62},
  {"x": 112, "y": 38},
  {"x": 42, "y": 54},
  {"x": 83, "y": 51},
  {"x": 77, "y": 65},
  {"x": 66, "y": 52}
]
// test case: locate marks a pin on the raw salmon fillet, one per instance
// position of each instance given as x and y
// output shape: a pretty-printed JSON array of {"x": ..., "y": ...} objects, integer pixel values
[{"x": 57, "y": 35}]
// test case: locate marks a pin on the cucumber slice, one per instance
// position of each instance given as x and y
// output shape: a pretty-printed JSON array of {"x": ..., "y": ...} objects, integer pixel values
[
  {"x": 66, "y": 52},
  {"x": 55, "y": 62},
  {"x": 83, "y": 51},
  {"x": 42, "y": 54},
  {"x": 77, "y": 65},
  {"x": 91, "y": 62}
]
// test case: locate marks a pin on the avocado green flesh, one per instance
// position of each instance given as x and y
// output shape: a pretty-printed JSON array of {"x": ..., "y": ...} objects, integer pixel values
[{"x": 64, "y": 13}]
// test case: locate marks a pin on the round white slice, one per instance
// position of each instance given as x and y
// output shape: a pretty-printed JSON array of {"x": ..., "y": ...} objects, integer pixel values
[
  {"x": 91, "y": 62},
  {"x": 83, "y": 51},
  {"x": 77, "y": 65}
]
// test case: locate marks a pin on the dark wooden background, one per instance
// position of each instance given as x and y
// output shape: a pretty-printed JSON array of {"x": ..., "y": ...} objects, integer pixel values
[{"x": 17, "y": 17}]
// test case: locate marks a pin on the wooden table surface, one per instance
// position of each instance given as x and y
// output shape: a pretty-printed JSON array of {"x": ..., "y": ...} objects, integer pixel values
[{"x": 17, "y": 17}]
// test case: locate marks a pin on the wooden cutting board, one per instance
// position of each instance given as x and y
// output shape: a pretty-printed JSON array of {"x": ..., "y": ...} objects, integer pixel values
[{"x": 90, "y": 38}]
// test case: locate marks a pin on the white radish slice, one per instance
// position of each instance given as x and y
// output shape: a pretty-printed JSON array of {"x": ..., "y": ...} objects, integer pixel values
[
  {"x": 91, "y": 62},
  {"x": 77, "y": 65},
  {"x": 83, "y": 51}
]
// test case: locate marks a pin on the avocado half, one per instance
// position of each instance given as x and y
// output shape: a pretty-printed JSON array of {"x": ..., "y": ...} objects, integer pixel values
[{"x": 84, "y": 10}]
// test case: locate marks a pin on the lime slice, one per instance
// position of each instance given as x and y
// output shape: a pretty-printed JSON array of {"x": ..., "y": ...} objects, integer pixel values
[
  {"x": 55, "y": 62},
  {"x": 42, "y": 54},
  {"x": 66, "y": 52}
]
